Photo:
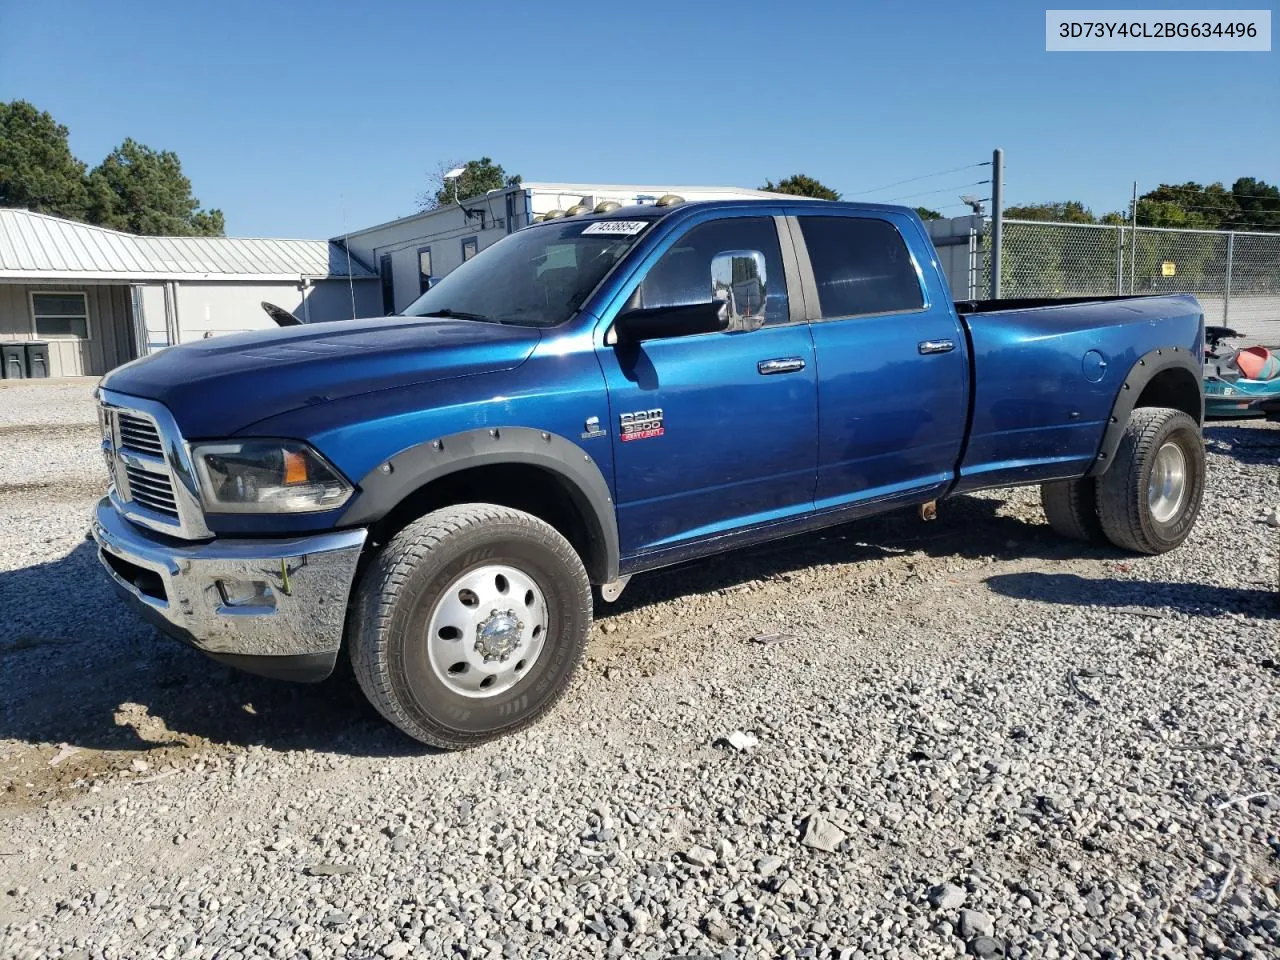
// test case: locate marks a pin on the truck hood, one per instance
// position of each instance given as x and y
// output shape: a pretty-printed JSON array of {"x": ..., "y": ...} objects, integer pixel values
[{"x": 218, "y": 386}]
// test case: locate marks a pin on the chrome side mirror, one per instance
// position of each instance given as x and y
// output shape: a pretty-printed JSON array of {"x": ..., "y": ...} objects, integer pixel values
[{"x": 739, "y": 278}]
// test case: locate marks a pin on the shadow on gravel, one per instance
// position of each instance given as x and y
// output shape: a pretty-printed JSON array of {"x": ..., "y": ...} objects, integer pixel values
[
  {"x": 1144, "y": 595},
  {"x": 967, "y": 526},
  {"x": 1253, "y": 445},
  {"x": 77, "y": 667}
]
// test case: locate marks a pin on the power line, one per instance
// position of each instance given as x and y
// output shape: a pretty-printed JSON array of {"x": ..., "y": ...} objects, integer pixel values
[
  {"x": 1226, "y": 194},
  {"x": 1205, "y": 206},
  {"x": 927, "y": 193},
  {"x": 926, "y": 176}
]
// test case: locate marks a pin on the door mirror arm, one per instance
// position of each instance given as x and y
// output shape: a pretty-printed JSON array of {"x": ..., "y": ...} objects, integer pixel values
[{"x": 662, "y": 323}]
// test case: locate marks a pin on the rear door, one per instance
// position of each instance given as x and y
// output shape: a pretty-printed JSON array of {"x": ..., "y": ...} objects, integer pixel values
[
  {"x": 712, "y": 432},
  {"x": 893, "y": 390}
]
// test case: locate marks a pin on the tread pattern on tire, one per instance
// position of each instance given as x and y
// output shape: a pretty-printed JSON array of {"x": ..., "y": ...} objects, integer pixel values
[
  {"x": 1071, "y": 507},
  {"x": 387, "y": 574},
  {"x": 1119, "y": 509}
]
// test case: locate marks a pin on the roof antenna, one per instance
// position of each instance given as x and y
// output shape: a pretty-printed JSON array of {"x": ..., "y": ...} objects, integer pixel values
[{"x": 346, "y": 245}]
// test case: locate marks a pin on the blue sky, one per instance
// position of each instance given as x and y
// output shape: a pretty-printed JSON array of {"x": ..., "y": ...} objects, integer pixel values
[{"x": 293, "y": 118}]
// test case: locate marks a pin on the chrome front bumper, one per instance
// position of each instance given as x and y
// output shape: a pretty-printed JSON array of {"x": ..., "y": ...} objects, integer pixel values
[{"x": 302, "y": 586}]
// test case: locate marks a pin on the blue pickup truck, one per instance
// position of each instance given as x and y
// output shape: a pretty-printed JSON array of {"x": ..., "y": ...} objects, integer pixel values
[{"x": 434, "y": 494}]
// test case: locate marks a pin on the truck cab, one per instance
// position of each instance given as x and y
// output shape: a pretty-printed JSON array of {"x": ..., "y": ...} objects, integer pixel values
[{"x": 597, "y": 396}]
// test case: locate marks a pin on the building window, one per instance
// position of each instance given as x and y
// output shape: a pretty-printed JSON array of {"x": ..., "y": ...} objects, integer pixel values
[
  {"x": 62, "y": 315},
  {"x": 470, "y": 247},
  {"x": 424, "y": 269},
  {"x": 388, "y": 284}
]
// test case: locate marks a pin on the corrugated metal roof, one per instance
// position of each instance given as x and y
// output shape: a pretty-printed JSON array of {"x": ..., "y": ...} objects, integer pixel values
[{"x": 34, "y": 245}]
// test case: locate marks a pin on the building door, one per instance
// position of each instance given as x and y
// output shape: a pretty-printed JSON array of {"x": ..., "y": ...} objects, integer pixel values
[{"x": 388, "y": 285}]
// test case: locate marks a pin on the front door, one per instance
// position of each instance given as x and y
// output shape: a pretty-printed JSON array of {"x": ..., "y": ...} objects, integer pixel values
[{"x": 715, "y": 431}]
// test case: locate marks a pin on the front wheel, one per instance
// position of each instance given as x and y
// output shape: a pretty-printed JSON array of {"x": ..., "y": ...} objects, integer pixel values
[
  {"x": 1149, "y": 499},
  {"x": 470, "y": 624}
]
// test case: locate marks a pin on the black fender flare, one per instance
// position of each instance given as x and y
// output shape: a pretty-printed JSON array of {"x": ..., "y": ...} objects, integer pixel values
[
  {"x": 1147, "y": 367},
  {"x": 388, "y": 484}
]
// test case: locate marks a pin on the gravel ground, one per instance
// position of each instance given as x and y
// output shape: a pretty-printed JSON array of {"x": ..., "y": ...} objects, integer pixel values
[{"x": 971, "y": 738}]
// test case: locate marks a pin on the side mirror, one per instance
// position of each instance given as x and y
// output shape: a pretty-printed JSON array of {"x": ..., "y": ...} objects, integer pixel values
[
  {"x": 739, "y": 278},
  {"x": 660, "y": 323}
]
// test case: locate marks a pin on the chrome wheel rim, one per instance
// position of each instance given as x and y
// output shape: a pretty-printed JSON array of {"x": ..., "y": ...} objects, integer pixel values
[
  {"x": 1167, "y": 488},
  {"x": 487, "y": 630}
]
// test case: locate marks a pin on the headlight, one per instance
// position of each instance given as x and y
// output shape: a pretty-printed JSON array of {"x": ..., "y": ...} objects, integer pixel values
[{"x": 267, "y": 476}]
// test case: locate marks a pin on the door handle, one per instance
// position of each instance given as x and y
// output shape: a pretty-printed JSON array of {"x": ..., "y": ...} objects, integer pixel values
[
  {"x": 780, "y": 365},
  {"x": 937, "y": 346}
]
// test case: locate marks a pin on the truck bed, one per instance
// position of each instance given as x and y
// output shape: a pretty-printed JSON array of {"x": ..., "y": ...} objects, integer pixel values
[{"x": 1046, "y": 373}]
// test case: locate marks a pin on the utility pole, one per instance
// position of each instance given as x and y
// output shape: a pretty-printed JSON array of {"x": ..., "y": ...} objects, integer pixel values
[{"x": 997, "y": 218}]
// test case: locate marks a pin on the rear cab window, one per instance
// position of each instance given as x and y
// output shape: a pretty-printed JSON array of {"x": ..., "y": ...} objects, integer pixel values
[{"x": 862, "y": 267}]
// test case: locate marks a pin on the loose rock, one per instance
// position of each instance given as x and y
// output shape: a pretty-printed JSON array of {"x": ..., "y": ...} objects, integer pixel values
[{"x": 821, "y": 834}]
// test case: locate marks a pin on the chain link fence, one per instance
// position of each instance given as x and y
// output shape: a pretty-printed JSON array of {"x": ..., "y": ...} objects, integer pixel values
[{"x": 1236, "y": 276}]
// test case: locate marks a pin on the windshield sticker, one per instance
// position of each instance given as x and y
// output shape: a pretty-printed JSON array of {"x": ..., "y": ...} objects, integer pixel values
[{"x": 622, "y": 228}]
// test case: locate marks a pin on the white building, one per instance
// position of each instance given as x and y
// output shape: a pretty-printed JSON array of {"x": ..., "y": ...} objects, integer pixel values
[
  {"x": 100, "y": 298},
  {"x": 407, "y": 251}
]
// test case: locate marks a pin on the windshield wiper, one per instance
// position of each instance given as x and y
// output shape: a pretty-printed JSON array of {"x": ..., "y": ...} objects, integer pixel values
[{"x": 452, "y": 314}]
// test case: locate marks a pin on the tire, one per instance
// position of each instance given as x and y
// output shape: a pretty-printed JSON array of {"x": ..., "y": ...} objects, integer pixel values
[
  {"x": 415, "y": 613},
  {"x": 1132, "y": 517},
  {"x": 1071, "y": 507}
]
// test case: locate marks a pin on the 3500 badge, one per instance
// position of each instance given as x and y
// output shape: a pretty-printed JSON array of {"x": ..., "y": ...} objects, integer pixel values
[{"x": 640, "y": 425}]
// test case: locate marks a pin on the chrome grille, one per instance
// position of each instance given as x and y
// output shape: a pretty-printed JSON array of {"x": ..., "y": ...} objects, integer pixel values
[
  {"x": 150, "y": 471},
  {"x": 152, "y": 490},
  {"x": 138, "y": 434}
]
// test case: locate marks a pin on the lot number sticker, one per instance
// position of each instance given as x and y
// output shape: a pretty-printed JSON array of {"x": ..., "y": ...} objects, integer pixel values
[{"x": 624, "y": 228}]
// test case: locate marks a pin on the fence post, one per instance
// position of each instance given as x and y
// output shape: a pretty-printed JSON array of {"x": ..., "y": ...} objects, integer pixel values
[
  {"x": 975, "y": 264},
  {"x": 1120, "y": 261},
  {"x": 997, "y": 218},
  {"x": 1133, "y": 239},
  {"x": 1226, "y": 293}
]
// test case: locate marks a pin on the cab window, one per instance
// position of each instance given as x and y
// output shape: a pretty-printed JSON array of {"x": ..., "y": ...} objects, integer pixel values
[
  {"x": 683, "y": 275},
  {"x": 861, "y": 266}
]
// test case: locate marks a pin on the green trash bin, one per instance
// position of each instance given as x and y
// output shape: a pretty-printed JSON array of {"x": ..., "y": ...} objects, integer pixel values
[
  {"x": 37, "y": 359},
  {"x": 14, "y": 357}
]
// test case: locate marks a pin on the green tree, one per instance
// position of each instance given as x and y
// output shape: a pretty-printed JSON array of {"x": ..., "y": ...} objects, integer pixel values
[
  {"x": 37, "y": 169},
  {"x": 144, "y": 191},
  {"x": 1060, "y": 211},
  {"x": 801, "y": 185},
  {"x": 1171, "y": 213},
  {"x": 478, "y": 178},
  {"x": 1258, "y": 203},
  {"x": 927, "y": 214},
  {"x": 1189, "y": 204}
]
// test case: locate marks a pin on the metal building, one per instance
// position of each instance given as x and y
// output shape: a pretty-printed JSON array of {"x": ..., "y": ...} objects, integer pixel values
[
  {"x": 407, "y": 251},
  {"x": 100, "y": 297}
]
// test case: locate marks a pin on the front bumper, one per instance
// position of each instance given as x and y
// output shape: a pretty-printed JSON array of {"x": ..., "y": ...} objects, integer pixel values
[{"x": 292, "y": 625}]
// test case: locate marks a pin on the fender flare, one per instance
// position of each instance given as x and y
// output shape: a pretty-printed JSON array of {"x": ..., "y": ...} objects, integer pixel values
[
  {"x": 1147, "y": 367},
  {"x": 388, "y": 484}
]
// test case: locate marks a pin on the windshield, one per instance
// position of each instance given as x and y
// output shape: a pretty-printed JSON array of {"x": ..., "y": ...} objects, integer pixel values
[{"x": 536, "y": 277}]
